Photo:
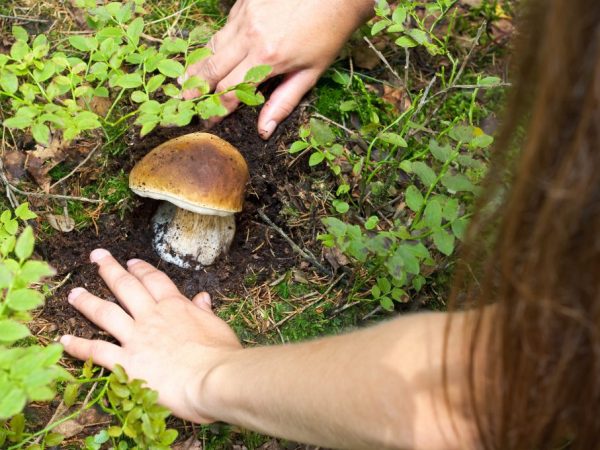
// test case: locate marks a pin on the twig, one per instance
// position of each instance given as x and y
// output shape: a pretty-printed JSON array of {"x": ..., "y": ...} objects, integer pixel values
[
  {"x": 25, "y": 19},
  {"x": 382, "y": 58},
  {"x": 468, "y": 57},
  {"x": 72, "y": 172},
  {"x": 55, "y": 196},
  {"x": 176, "y": 13},
  {"x": 306, "y": 254}
]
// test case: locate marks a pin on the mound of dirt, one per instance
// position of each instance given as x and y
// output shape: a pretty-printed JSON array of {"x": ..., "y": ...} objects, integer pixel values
[{"x": 255, "y": 254}]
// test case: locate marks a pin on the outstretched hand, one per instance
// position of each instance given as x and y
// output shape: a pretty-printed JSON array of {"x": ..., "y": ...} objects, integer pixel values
[
  {"x": 298, "y": 38},
  {"x": 167, "y": 340}
]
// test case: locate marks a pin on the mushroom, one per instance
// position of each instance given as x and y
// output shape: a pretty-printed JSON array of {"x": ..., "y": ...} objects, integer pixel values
[{"x": 202, "y": 180}]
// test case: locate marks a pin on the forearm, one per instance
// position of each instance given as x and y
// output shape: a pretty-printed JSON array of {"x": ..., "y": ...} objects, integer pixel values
[{"x": 377, "y": 388}]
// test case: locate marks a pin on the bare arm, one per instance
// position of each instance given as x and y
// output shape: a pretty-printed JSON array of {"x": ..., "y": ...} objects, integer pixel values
[{"x": 376, "y": 388}]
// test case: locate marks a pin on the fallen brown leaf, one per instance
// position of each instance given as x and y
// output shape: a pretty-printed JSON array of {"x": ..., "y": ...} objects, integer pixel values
[
  {"x": 42, "y": 160},
  {"x": 64, "y": 224},
  {"x": 14, "y": 165}
]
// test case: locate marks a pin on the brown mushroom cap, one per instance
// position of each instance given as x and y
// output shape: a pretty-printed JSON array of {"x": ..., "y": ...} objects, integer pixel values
[{"x": 198, "y": 172}]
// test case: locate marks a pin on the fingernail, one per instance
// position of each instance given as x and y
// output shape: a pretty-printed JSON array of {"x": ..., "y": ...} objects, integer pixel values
[
  {"x": 98, "y": 254},
  {"x": 206, "y": 299},
  {"x": 64, "y": 340},
  {"x": 75, "y": 293},
  {"x": 268, "y": 129},
  {"x": 133, "y": 261}
]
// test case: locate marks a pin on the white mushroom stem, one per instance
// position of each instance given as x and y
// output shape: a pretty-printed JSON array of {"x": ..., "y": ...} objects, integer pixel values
[{"x": 183, "y": 238}]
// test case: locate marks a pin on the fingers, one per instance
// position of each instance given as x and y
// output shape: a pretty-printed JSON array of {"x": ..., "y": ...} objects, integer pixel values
[
  {"x": 230, "y": 100},
  {"x": 158, "y": 284},
  {"x": 284, "y": 99},
  {"x": 203, "y": 301},
  {"x": 226, "y": 56},
  {"x": 102, "y": 353},
  {"x": 128, "y": 289},
  {"x": 106, "y": 315}
]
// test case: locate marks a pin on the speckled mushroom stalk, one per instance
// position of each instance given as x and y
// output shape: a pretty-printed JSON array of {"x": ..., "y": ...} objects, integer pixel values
[{"x": 202, "y": 180}]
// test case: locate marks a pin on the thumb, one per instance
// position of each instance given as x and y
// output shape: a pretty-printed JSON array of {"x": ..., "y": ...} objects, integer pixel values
[
  {"x": 202, "y": 300},
  {"x": 284, "y": 99}
]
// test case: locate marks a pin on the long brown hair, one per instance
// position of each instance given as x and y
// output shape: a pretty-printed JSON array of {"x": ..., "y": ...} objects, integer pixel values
[{"x": 534, "y": 247}]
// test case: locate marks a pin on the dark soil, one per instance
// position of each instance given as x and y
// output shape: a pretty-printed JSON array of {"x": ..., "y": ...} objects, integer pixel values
[{"x": 256, "y": 252}]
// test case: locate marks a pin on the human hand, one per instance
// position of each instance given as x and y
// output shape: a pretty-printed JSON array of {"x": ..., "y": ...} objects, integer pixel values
[
  {"x": 297, "y": 38},
  {"x": 168, "y": 341}
]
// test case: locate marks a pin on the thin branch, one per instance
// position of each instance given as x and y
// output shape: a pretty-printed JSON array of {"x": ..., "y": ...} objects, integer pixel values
[
  {"x": 382, "y": 58},
  {"x": 25, "y": 19},
  {"x": 306, "y": 254},
  {"x": 72, "y": 172}
]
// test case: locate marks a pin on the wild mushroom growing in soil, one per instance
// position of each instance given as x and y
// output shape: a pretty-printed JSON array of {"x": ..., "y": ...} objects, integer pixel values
[{"x": 202, "y": 180}]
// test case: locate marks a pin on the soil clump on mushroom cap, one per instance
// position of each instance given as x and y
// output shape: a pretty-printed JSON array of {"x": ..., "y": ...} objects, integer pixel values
[{"x": 257, "y": 251}]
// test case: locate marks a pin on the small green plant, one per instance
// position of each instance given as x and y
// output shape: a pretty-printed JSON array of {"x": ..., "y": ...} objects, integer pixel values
[{"x": 51, "y": 91}]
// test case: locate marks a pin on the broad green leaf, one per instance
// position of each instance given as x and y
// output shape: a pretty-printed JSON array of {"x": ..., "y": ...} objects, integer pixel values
[
  {"x": 399, "y": 15},
  {"x": 298, "y": 146},
  {"x": 394, "y": 139},
  {"x": 247, "y": 95},
  {"x": 406, "y": 42},
  {"x": 170, "y": 68},
  {"x": 444, "y": 242},
  {"x": 41, "y": 133},
  {"x": 316, "y": 158},
  {"x": 155, "y": 82},
  {"x": 19, "y": 33},
  {"x": 386, "y": 303},
  {"x": 414, "y": 198},
  {"x": 489, "y": 81},
  {"x": 83, "y": 43},
  {"x": 70, "y": 394},
  {"x": 53, "y": 439},
  {"x": 441, "y": 153},
  {"x": 321, "y": 132},
  {"x": 173, "y": 46},
  {"x": 9, "y": 81},
  {"x": 450, "y": 211},
  {"x": 128, "y": 81},
  {"x": 419, "y": 36},
  {"x": 148, "y": 127},
  {"x": 459, "y": 227},
  {"x": 12, "y": 400},
  {"x": 19, "y": 50},
  {"x": 341, "y": 206},
  {"x": 135, "y": 29},
  {"x": 211, "y": 107},
  {"x": 24, "y": 213},
  {"x": 25, "y": 243},
  {"x": 458, "y": 183},
  {"x": 197, "y": 55},
  {"x": 258, "y": 74},
  {"x": 379, "y": 26},
  {"x": 18, "y": 122},
  {"x": 424, "y": 172},
  {"x": 24, "y": 299},
  {"x": 139, "y": 97},
  {"x": 433, "y": 214},
  {"x": 11, "y": 331},
  {"x": 371, "y": 222}
]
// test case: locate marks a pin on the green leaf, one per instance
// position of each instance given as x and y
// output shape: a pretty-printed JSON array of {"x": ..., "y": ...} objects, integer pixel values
[
  {"x": 34, "y": 271},
  {"x": 173, "y": 46},
  {"x": 19, "y": 33},
  {"x": 489, "y": 81},
  {"x": 441, "y": 153},
  {"x": 316, "y": 158},
  {"x": 24, "y": 213},
  {"x": 128, "y": 81},
  {"x": 384, "y": 285},
  {"x": 148, "y": 127},
  {"x": 9, "y": 81},
  {"x": 406, "y": 42},
  {"x": 394, "y": 139},
  {"x": 18, "y": 122},
  {"x": 341, "y": 206},
  {"x": 379, "y": 26},
  {"x": 414, "y": 198},
  {"x": 444, "y": 242},
  {"x": 25, "y": 243},
  {"x": 375, "y": 291},
  {"x": 139, "y": 97},
  {"x": 24, "y": 299},
  {"x": 457, "y": 183},
  {"x": 298, "y": 146},
  {"x": 258, "y": 74},
  {"x": 399, "y": 15},
  {"x": 11, "y": 331},
  {"x": 155, "y": 82},
  {"x": 12, "y": 400},
  {"x": 371, "y": 222},
  {"x": 211, "y": 107},
  {"x": 433, "y": 214},
  {"x": 134, "y": 30},
  {"x": 450, "y": 211},
  {"x": 83, "y": 43},
  {"x": 424, "y": 172},
  {"x": 53, "y": 439},
  {"x": 171, "y": 90},
  {"x": 19, "y": 50},
  {"x": 459, "y": 227},
  {"x": 41, "y": 133},
  {"x": 247, "y": 95},
  {"x": 197, "y": 55},
  {"x": 170, "y": 68},
  {"x": 321, "y": 132},
  {"x": 70, "y": 394},
  {"x": 386, "y": 303}
]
